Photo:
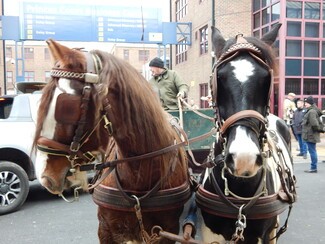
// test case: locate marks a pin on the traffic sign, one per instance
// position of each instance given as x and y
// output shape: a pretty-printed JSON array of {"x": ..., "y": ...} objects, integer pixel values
[{"x": 90, "y": 22}]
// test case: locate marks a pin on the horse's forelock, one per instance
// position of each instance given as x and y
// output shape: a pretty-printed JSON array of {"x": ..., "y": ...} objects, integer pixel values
[{"x": 268, "y": 52}]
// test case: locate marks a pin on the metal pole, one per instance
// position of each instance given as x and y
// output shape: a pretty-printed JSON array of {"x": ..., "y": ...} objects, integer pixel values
[
  {"x": 170, "y": 46},
  {"x": 4, "y": 56},
  {"x": 213, "y": 21},
  {"x": 4, "y": 67}
]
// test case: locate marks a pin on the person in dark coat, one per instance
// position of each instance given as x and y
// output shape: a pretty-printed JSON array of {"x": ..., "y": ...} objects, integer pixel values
[
  {"x": 297, "y": 127},
  {"x": 167, "y": 83},
  {"x": 311, "y": 129}
]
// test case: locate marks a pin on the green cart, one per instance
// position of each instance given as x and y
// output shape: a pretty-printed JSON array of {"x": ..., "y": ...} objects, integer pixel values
[{"x": 195, "y": 125}]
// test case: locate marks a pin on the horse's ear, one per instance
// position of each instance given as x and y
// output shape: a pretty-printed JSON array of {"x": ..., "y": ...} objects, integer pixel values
[
  {"x": 270, "y": 36},
  {"x": 217, "y": 40},
  {"x": 57, "y": 50}
]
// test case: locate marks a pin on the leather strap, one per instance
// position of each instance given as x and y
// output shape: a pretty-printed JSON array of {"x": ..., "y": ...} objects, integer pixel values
[
  {"x": 264, "y": 208},
  {"x": 112, "y": 198}
]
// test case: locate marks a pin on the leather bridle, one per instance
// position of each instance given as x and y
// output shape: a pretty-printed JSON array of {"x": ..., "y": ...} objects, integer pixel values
[
  {"x": 221, "y": 204},
  {"x": 73, "y": 151},
  {"x": 236, "y": 49}
]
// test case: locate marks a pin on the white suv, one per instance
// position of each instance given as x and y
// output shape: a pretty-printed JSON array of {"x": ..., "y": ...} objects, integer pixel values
[{"x": 17, "y": 128}]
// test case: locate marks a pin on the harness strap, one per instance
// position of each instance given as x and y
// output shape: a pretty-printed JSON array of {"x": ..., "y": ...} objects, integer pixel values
[
  {"x": 241, "y": 115},
  {"x": 264, "y": 207},
  {"x": 249, "y": 202},
  {"x": 113, "y": 198},
  {"x": 58, "y": 149},
  {"x": 100, "y": 166}
]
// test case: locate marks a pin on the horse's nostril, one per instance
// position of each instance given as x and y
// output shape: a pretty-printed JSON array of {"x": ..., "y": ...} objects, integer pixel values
[{"x": 49, "y": 184}]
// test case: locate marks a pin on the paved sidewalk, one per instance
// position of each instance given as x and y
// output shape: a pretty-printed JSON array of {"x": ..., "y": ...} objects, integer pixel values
[{"x": 320, "y": 147}]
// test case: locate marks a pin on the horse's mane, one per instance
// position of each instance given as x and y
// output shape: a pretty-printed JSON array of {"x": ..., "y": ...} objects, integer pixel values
[{"x": 134, "y": 96}]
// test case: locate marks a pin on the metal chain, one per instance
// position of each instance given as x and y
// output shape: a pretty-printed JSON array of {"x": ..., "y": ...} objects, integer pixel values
[
  {"x": 240, "y": 226},
  {"x": 154, "y": 238}
]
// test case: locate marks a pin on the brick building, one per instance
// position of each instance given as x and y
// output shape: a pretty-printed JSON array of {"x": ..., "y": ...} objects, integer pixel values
[{"x": 300, "y": 43}]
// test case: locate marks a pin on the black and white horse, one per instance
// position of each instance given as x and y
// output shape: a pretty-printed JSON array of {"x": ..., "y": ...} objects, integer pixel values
[{"x": 251, "y": 182}]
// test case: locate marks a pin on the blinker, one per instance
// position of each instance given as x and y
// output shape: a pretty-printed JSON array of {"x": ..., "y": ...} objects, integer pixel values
[{"x": 91, "y": 78}]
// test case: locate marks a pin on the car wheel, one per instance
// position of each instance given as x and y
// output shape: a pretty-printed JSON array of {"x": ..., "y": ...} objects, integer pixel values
[{"x": 14, "y": 187}]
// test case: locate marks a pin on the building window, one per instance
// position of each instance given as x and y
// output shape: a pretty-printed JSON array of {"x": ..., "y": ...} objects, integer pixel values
[
  {"x": 144, "y": 55},
  {"x": 47, "y": 55},
  {"x": 294, "y": 10},
  {"x": 204, "y": 40},
  {"x": 293, "y": 48},
  {"x": 29, "y": 53},
  {"x": 265, "y": 3},
  {"x": 265, "y": 30},
  {"x": 312, "y": 10},
  {"x": 311, "y": 29},
  {"x": 311, "y": 67},
  {"x": 292, "y": 85},
  {"x": 9, "y": 76},
  {"x": 256, "y": 5},
  {"x": 323, "y": 68},
  {"x": 311, "y": 49},
  {"x": 8, "y": 52},
  {"x": 257, "y": 20},
  {"x": 294, "y": 28},
  {"x": 310, "y": 87},
  {"x": 322, "y": 90},
  {"x": 181, "y": 52},
  {"x": 265, "y": 16},
  {"x": 47, "y": 76},
  {"x": 29, "y": 76},
  {"x": 293, "y": 67},
  {"x": 276, "y": 11},
  {"x": 126, "y": 54},
  {"x": 181, "y": 9}
]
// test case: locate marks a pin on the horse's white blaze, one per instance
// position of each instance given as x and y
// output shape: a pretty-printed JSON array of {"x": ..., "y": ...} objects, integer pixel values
[
  {"x": 243, "y": 69},
  {"x": 210, "y": 237},
  {"x": 244, "y": 152},
  {"x": 49, "y": 127}
]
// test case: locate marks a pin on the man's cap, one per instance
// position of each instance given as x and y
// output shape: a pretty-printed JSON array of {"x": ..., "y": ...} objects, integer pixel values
[
  {"x": 156, "y": 62},
  {"x": 291, "y": 94},
  {"x": 309, "y": 100}
]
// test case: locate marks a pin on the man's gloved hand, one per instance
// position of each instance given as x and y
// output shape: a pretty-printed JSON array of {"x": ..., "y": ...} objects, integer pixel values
[{"x": 181, "y": 94}]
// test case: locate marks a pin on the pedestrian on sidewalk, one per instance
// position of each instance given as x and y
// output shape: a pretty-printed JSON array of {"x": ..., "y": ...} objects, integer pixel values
[
  {"x": 297, "y": 127},
  {"x": 311, "y": 131}
]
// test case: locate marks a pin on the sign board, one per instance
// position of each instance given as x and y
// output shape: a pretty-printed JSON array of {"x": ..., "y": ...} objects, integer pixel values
[
  {"x": 10, "y": 28},
  {"x": 92, "y": 22}
]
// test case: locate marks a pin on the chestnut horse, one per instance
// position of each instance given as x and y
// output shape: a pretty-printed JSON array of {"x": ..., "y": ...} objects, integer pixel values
[
  {"x": 98, "y": 107},
  {"x": 252, "y": 180}
]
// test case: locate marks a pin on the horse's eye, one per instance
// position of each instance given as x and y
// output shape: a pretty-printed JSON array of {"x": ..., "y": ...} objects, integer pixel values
[
  {"x": 259, "y": 160},
  {"x": 229, "y": 159}
]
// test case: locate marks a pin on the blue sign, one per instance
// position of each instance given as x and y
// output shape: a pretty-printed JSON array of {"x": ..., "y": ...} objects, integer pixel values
[{"x": 96, "y": 23}]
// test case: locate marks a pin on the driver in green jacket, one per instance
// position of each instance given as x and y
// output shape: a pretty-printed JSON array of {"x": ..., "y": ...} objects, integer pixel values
[{"x": 167, "y": 84}]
